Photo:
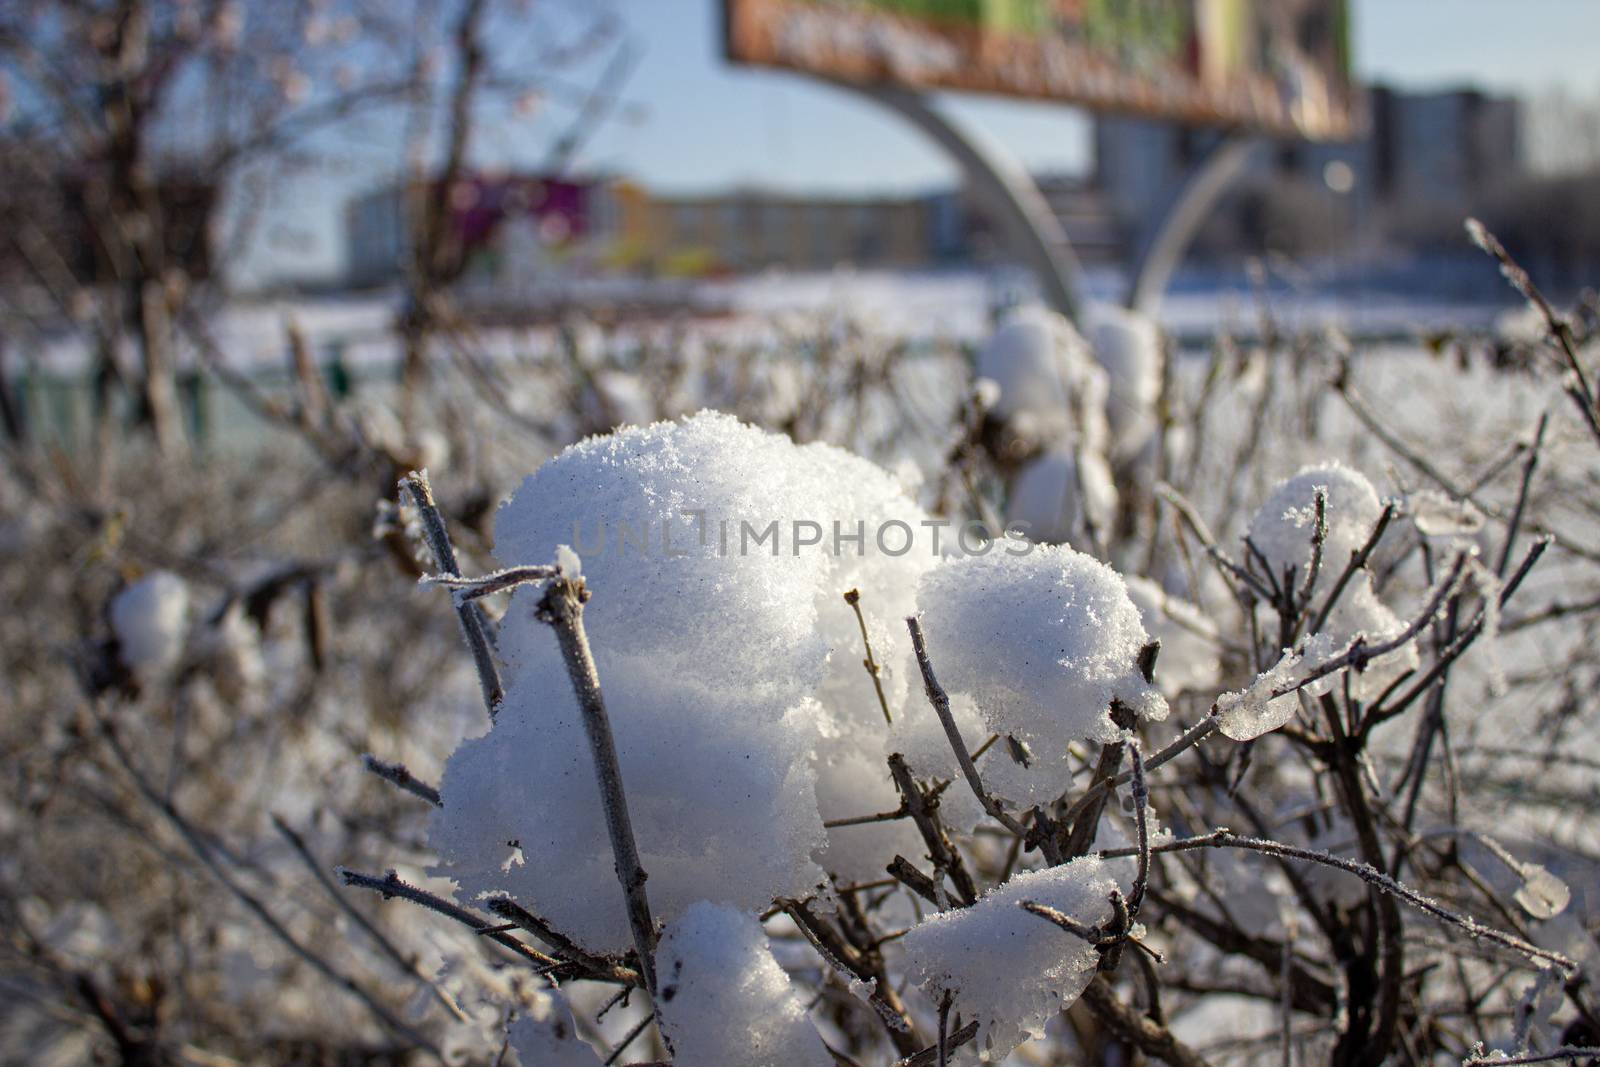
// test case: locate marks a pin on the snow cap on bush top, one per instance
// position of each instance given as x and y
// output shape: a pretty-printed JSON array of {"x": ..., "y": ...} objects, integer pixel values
[
  {"x": 1043, "y": 642},
  {"x": 1282, "y": 529}
]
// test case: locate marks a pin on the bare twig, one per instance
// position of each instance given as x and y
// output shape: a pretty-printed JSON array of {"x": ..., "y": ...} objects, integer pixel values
[
  {"x": 1141, "y": 798},
  {"x": 930, "y": 1055},
  {"x": 941, "y": 706},
  {"x": 923, "y": 810},
  {"x": 1149, "y": 1036},
  {"x": 874, "y": 671},
  {"x": 563, "y": 946}
]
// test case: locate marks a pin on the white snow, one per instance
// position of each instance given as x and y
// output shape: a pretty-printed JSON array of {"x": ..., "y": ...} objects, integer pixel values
[
  {"x": 723, "y": 998},
  {"x": 1043, "y": 642},
  {"x": 731, "y": 669},
  {"x": 1250, "y": 712},
  {"x": 150, "y": 619},
  {"x": 1063, "y": 496},
  {"x": 1009, "y": 969},
  {"x": 545, "y": 1035},
  {"x": 1282, "y": 529},
  {"x": 1128, "y": 345},
  {"x": 1051, "y": 390}
]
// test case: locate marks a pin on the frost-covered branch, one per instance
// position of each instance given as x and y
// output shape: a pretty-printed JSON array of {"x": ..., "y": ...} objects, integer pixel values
[
  {"x": 402, "y": 962},
  {"x": 561, "y": 607},
  {"x": 1578, "y": 388},
  {"x": 391, "y": 885},
  {"x": 473, "y": 625},
  {"x": 398, "y": 774},
  {"x": 1223, "y": 838},
  {"x": 1569, "y": 1054}
]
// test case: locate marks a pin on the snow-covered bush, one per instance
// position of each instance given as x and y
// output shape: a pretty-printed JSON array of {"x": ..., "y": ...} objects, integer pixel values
[{"x": 1010, "y": 847}]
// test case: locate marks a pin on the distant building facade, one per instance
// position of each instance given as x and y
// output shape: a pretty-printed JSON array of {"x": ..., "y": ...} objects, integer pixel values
[
  {"x": 514, "y": 231},
  {"x": 499, "y": 225},
  {"x": 1442, "y": 149}
]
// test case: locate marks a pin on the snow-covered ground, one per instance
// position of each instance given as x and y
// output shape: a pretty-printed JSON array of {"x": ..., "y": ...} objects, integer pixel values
[{"x": 949, "y": 305}]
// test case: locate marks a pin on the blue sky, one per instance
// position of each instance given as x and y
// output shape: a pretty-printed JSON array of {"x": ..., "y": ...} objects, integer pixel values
[{"x": 696, "y": 122}]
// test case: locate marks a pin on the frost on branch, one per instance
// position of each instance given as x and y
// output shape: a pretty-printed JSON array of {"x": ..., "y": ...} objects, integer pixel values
[
  {"x": 1008, "y": 969},
  {"x": 724, "y": 999},
  {"x": 1283, "y": 531},
  {"x": 1042, "y": 642}
]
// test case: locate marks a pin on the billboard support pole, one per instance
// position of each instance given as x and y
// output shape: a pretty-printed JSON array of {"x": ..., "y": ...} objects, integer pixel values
[
  {"x": 1165, "y": 242},
  {"x": 1006, "y": 192}
]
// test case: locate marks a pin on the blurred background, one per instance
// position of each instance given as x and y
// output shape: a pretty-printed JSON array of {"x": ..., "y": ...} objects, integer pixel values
[{"x": 343, "y": 164}]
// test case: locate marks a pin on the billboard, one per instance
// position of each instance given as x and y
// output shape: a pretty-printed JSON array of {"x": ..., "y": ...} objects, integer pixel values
[{"x": 1275, "y": 66}]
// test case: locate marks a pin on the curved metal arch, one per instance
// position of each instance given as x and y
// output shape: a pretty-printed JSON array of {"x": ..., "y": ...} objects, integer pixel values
[
  {"x": 1168, "y": 239},
  {"x": 1006, "y": 191}
]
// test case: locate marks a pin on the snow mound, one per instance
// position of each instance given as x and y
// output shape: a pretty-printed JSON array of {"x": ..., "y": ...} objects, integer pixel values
[
  {"x": 1043, "y": 641},
  {"x": 717, "y": 556},
  {"x": 724, "y": 999},
  {"x": 1282, "y": 529},
  {"x": 1007, "y": 968},
  {"x": 1062, "y": 496},
  {"x": 1050, "y": 387},
  {"x": 1128, "y": 345},
  {"x": 722, "y": 802},
  {"x": 150, "y": 619}
]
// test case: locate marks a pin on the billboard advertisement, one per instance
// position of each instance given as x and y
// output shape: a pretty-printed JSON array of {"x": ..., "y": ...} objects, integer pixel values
[{"x": 1274, "y": 66}]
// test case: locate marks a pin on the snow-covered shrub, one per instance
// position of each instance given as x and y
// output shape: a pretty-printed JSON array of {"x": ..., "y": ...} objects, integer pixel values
[{"x": 746, "y": 720}]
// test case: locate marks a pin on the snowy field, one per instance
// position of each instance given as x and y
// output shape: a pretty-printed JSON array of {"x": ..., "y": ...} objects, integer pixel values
[{"x": 918, "y": 306}]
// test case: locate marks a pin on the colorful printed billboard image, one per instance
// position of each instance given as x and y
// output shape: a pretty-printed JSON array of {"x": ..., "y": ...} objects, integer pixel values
[{"x": 1278, "y": 66}]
